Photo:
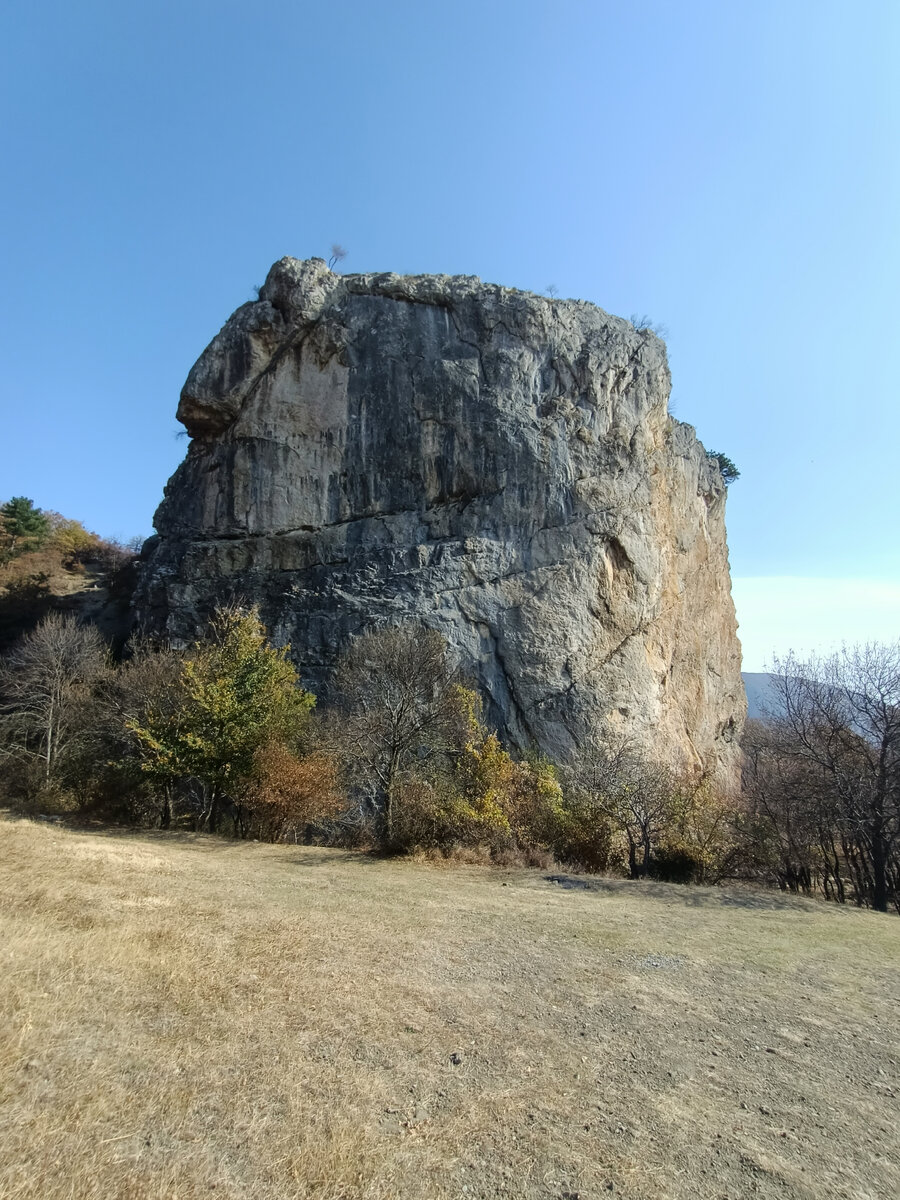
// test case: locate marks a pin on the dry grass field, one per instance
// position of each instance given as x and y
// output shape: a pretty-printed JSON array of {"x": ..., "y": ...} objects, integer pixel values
[{"x": 184, "y": 1017}]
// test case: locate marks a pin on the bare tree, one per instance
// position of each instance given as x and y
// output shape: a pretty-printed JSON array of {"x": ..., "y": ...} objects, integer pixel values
[
  {"x": 841, "y": 714},
  {"x": 400, "y": 705},
  {"x": 642, "y": 322},
  {"x": 43, "y": 681},
  {"x": 791, "y": 822},
  {"x": 338, "y": 254},
  {"x": 637, "y": 796}
]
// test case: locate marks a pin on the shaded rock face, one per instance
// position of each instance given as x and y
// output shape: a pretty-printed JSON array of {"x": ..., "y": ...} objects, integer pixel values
[{"x": 374, "y": 449}]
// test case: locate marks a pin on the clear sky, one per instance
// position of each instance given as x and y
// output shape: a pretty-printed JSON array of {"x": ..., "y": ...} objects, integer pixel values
[{"x": 729, "y": 169}]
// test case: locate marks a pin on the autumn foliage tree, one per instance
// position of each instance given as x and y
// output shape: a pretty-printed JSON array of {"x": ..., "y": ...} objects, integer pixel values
[
  {"x": 287, "y": 792},
  {"x": 69, "y": 538},
  {"x": 237, "y": 693}
]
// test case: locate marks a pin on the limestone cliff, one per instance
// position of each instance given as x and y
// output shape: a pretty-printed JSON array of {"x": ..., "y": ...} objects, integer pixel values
[{"x": 373, "y": 449}]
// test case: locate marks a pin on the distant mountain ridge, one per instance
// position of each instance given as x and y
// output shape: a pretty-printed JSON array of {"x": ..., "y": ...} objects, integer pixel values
[{"x": 762, "y": 698}]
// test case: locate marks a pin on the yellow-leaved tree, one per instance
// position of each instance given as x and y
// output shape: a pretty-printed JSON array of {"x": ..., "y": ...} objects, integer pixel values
[{"x": 236, "y": 694}]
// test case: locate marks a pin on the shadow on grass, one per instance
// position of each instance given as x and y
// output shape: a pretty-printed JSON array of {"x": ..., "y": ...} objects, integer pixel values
[
  {"x": 312, "y": 856},
  {"x": 307, "y": 855},
  {"x": 690, "y": 895}
]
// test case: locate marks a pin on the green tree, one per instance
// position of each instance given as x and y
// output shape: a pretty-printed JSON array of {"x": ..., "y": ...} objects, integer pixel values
[
  {"x": 727, "y": 469},
  {"x": 24, "y": 527},
  {"x": 237, "y": 693}
]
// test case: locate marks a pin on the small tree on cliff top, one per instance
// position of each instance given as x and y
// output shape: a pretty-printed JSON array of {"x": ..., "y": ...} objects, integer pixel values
[{"x": 727, "y": 469}]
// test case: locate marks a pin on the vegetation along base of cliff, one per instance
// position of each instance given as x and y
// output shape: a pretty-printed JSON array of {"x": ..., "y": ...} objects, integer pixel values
[{"x": 189, "y": 1017}]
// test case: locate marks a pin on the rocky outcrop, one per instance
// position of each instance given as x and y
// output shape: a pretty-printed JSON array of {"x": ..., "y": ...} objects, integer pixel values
[{"x": 375, "y": 449}]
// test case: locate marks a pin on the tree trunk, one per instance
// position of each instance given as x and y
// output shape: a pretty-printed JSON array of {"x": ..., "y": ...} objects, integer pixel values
[
  {"x": 879, "y": 874},
  {"x": 645, "y": 866},
  {"x": 165, "y": 817},
  {"x": 389, "y": 816},
  {"x": 632, "y": 859},
  {"x": 49, "y": 751},
  {"x": 213, "y": 819},
  {"x": 393, "y": 770}
]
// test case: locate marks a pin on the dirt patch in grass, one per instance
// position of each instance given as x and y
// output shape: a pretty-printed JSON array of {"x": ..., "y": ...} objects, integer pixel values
[{"x": 185, "y": 1017}]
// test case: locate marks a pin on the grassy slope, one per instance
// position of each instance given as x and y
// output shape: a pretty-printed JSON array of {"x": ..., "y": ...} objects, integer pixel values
[{"x": 193, "y": 1018}]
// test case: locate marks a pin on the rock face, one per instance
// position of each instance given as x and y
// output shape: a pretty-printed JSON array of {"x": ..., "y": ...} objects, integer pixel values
[{"x": 375, "y": 449}]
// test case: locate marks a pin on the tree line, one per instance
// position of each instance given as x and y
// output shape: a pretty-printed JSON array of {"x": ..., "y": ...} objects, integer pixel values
[
  {"x": 822, "y": 776},
  {"x": 223, "y": 737}
]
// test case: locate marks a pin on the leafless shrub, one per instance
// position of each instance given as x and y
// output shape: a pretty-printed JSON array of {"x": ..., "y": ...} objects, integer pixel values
[
  {"x": 634, "y": 795},
  {"x": 398, "y": 699},
  {"x": 642, "y": 322}
]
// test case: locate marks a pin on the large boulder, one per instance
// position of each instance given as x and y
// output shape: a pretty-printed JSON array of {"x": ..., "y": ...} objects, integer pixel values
[{"x": 375, "y": 449}]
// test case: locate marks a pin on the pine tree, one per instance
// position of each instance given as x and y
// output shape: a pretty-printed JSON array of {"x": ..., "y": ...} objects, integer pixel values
[{"x": 24, "y": 527}]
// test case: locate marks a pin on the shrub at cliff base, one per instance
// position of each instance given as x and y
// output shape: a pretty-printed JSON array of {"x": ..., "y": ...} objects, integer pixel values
[
  {"x": 625, "y": 812},
  {"x": 401, "y": 713},
  {"x": 237, "y": 694},
  {"x": 479, "y": 797},
  {"x": 219, "y": 737},
  {"x": 702, "y": 845},
  {"x": 287, "y": 793}
]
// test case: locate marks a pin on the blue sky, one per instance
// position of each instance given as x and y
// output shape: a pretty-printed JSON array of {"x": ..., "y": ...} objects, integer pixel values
[{"x": 730, "y": 170}]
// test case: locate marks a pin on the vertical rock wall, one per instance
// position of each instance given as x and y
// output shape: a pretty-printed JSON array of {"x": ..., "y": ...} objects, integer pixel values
[{"x": 374, "y": 449}]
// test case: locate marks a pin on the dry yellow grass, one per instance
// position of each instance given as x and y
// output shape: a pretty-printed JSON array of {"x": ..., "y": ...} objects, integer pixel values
[{"x": 185, "y": 1017}]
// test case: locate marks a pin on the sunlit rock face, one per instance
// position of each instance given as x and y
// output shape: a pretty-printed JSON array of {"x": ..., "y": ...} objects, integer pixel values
[{"x": 369, "y": 450}]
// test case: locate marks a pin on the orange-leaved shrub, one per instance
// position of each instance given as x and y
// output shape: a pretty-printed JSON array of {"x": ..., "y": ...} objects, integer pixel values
[{"x": 287, "y": 793}]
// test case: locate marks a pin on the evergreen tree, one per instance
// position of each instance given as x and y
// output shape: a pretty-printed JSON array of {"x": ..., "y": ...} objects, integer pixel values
[
  {"x": 23, "y": 527},
  {"x": 726, "y": 467}
]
